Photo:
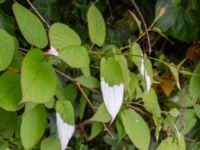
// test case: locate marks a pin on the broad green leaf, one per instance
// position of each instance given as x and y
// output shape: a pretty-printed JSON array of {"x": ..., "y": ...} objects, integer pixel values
[
  {"x": 101, "y": 115},
  {"x": 96, "y": 129},
  {"x": 181, "y": 141},
  {"x": 50, "y": 143},
  {"x": 136, "y": 54},
  {"x": 38, "y": 78},
  {"x": 7, "y": 47},
  {"x": 71, "y": 92},
  {"x": 136, "y": 128},
  {"x": 30, "y": 26},
  {"x": 33, "y": 126},
  {"x": 194, "y": 87},
  {"x": 10, "y": 91},
  {"x": 75, "y": 56},
  {"x": 6, "y": 22},
  {"x": 197, "y": 110},
  {"x": 111, "y": 71},
  {"x": 66, "y": 111},
  {"x": 96, "y": 26},
  {"x": 90, "y": 82},
  {"x": 61, "y": 36},
  {"x": 133, "y": 84},
  {"x": 7, "y": 124},
  {"x": 168, "y": 144}
]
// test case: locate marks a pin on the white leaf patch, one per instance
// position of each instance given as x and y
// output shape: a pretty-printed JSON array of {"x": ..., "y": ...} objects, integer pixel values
[
  {"x": 113, "y": 97},
  {"x": 65, "y": 131},
  {"x": 145, "y": 75},
  {"x": 52, "y": 51}
]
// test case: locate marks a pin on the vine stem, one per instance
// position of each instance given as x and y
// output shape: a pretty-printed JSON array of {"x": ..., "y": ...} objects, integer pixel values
[
  {"x": 37, "y": 12},
  {"x": 144, "y": 23}
]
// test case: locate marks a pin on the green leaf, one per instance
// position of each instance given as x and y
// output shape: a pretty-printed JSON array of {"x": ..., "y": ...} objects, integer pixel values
[
  {"x": 197, "y": 110},
  {"x": 61, "y": 36},
  {"x": 7, "y": 47},
  {"x": 90, "y": 82},
  {"x": 66, "y": 111},
  {"x": 75, "y": 56},
  {"x": 137, "y": 22},
  {"x": 71, "y": 92},
  {"x": 101, "y": 115},
  {"x": 136, "y": 54},
  {"x": 96, "y": 129},
  {"x": 120, "y": 130},
  {"x": 10, "y": 91},
  {"x": 50, "y": 143},
  {"x": 82, "y": 104},
  {"x": 8, "y": 123},
  {"x": 30, "y": 26},
  {"x": 136, "y": 128},
  {"x": 96, "y": 26},
  {"x": 111, "y": 71},
  {"x": 168, "y": 144},
  {"x": 33, "y": 126},
  {"x": 174, "y": 71},
  {"x": 181, "y": 141},
  {"x": 6, "y": 22},
  {"x": 38, "y": 78},
  {"x": 194, "y": 87}
]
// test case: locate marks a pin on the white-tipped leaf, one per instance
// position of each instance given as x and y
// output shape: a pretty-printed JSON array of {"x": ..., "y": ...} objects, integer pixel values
[
  {"x": 65, "y": 131},
  {"x": 52, "y": 51},
  {"x": 113, "y": 97}
]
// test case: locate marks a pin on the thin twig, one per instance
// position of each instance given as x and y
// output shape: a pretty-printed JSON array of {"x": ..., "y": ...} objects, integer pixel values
[
  {"x": 37, "y": 12},
  {"x": 144, "y": 23}
]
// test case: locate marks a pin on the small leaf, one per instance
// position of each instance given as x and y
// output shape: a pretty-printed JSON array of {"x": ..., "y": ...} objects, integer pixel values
[
  {"x": 197, "y": 110},
  {"x": 136, "y": 128},
  {"x": 71, "y": 92},
  {"x": 7, "y": 47},
  {"x": 174, "y": 71},
  {"x": 90, "y": 82},
  {"x": 33, "y": 126},
  {"x": 10, "y": 91},
  {"x": 62, "y": 36},
  {"x": 137, "y": 22},
  {"x": 101, "y": 115},
  {"x": 96, "y": 129},
  {"x": 168, "y": 144},
  {"x": 174, "y": 112},
  {"x": 50, "y": 143},
  {"x": 66, "y": 111},
  {"x": 65, "y": 130},
  {"x": 75, "y": 56},
  {"x": 96, "y": 26},
  {"x": 30, "y": 26},
  {"x": 194, "y": 87},
  {"x": 38, "y": 78}
]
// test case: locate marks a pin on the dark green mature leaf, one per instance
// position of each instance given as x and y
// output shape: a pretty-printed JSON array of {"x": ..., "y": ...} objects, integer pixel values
[
  {"x": 96, "y": 26},
  {"x": 66, "y": 111},
  {"x": 7, "y": 47},
  {"x": 6, "y": 22},
  {"x": 62, "y": 36},
  {"x": 33, "y": 126},
  {"x": 38, "y": 78},
  {"x": 101, "y": 115},
  {"x": 75, "y": 56},
  {"x": 30, "y": 26},
  {"x": 71, "y": 92},
  {"x": 90, "y": 81},
  {"x": 50, "y": 143},
  {"x": 179, "y": 21},
  {"x": 111, "y": 71},
  {"x": 10, "y": 91},
  {"x": 194, "y": 87},
  {"x": 136, "y": 128}
]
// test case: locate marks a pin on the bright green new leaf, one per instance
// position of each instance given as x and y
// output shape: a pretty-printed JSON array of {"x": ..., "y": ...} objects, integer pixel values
[
  {"x": 101, "y": 115},
  {"x": 61, "y": 36},
  {"x": 10, "y": 91},
  {"x": 66, "y": 111},
  {"x": 33, "y": 126},
  {"x": 194, "y": 87},
  {"x": 136, "y": 128},
  {"x": 96, "y": 26},
  {"x": 75, "y": 56},
  {"x": 111, "y": 71},
  {"x": 168, "y": 144},
  {"x": 90, "y": 82},
  {"x": 30, "y": 26},
  {"x": 7, "y": 47},
  {"x": 38, "y": 78},
  {"x": 50, "y": 143},
  {"x": 96, "y": 129}
]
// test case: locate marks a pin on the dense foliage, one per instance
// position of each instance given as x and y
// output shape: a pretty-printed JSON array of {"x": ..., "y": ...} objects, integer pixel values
[{"x": 99, "y": 74}]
